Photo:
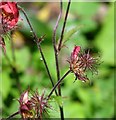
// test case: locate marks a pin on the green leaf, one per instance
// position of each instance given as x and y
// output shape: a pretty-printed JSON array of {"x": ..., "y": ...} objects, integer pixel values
[
  {"x": 74, "y": 110},
  {"x": 86, "y": 9},
  {"x": 71, "y": 32},
  {"x": 58, "y": 99},
  {"x": 5, "y": 83},
  {"x": 22, "y": 58},
  {"x": 83, "y": 13},
  {"x": 105, "y": 39}
]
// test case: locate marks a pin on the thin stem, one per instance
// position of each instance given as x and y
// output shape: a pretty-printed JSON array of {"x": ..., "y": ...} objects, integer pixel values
[
  {"x": 39, "y": 47},
  {"x": 63, "y": 28},
  {"x": 57, "y": 84},
  {"x": 54, "y": 44},
  {"x": 56, "y": 56},
  {"x": 11, "y": 116}
]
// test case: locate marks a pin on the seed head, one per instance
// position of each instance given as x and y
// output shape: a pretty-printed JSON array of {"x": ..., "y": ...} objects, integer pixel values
[
  {"x": 33, "y": 106},
  {"x": 80, "y": 62}
]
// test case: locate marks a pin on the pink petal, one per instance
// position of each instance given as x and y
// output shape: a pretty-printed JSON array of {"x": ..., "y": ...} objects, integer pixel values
[
  {"x": 75, "y": 52},
  {"x": 24, "y": 97}
]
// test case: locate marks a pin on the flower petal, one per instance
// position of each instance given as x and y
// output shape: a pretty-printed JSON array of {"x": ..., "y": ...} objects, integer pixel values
[{"x": 75, "y": 52}]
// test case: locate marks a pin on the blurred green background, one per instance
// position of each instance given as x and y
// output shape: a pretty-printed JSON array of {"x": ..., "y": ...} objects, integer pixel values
[{"x": 80, "y": 100}]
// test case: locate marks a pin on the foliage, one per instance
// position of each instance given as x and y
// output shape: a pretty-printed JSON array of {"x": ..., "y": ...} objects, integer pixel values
[{"x": 80, "y": 100}]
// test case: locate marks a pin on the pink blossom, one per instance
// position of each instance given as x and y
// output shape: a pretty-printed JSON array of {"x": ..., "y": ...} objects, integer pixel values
[{"x": 9, "y": 15}]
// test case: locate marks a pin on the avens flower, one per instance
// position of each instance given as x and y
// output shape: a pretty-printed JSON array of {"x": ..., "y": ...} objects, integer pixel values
[
  {"x": 80, "y": 62},
  {"x": 25, "y": 109},
  {"x": 33, "y": 106},
  {"x": 9, "y": 14}
]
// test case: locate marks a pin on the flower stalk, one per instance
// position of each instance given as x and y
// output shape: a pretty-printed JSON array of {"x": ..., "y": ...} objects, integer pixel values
[
  {"x": 57, "y": 84},
  {"x": 63, "y": 27},
  {"x": 56, "y": 56},
  {"x": 39, "y": 46},
  {"x": 11, "y": 116}
]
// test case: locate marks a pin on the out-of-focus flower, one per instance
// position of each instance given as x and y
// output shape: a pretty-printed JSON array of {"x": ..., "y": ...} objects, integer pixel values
[
  {"x": 80, "y": 62},
  {"x": 9, "y": 14},
  {"x": 33, "y": 106}
]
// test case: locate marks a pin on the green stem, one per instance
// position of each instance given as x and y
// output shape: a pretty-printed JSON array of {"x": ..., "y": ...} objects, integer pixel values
[
  {"x": 57, "y": 84},
  {"x": 63, "y": 28}
]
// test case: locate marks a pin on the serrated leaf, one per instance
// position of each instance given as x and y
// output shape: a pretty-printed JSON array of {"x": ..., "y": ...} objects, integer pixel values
[{"x": 71, "y": 32}]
